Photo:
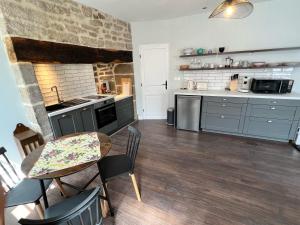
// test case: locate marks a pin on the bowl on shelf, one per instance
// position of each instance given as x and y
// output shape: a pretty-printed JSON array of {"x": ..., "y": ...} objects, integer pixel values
[
  {"x": 200, "y": 51},
  {"x": 188, "y": 51},
  {"x": 184, "y": 67},
  {"x": 221, "y": 49},
  {"x": 259, "y": 64}
]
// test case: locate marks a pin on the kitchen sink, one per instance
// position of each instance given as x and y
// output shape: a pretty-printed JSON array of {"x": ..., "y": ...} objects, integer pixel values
[
  {"x": 65, "y": 104},
  {"x": 55, "y": 107}
]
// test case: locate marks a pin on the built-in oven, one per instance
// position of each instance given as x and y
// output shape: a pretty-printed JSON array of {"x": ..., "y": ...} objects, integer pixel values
[{"x": 106, "y": 116}]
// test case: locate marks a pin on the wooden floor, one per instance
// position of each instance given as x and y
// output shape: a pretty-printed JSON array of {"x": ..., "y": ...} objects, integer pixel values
[{"x": 190, "y": 178}]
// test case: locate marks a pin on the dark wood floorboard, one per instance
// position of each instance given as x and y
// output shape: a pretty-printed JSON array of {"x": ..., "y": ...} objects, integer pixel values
[{"x": 209, "y": 179}]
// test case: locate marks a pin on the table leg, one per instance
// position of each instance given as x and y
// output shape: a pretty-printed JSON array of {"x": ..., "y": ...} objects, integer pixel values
[
  {"x": 60, "y": 187},
  {"x": 43, "y": 189}
]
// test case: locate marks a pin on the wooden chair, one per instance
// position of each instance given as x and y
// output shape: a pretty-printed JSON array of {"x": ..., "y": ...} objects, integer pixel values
[
  {"x": 83, "y": 209},
  {"x": 20, "y": 191},
  {"x": 112, "y": 166},
  {"x": 29, "y": 140}
]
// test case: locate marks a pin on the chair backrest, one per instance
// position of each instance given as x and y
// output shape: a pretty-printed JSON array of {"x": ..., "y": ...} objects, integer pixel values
[
  {"x": 133, "y": 144},
  {"x": 8, "y": 175},
  {"x": 27, "y": 139},
  {"x": 88, "y": 212}
]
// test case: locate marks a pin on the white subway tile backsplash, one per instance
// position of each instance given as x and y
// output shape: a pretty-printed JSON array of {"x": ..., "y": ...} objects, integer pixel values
[
  {"x": 72, "y": 80},
  {"x": 218, "y": 79}
]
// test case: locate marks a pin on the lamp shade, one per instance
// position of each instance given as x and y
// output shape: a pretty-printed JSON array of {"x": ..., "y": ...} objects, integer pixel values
[{"x": 233, "y": 9}]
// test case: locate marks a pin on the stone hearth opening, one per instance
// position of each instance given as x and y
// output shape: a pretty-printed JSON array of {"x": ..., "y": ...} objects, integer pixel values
[{"x": 51, "y": 42}]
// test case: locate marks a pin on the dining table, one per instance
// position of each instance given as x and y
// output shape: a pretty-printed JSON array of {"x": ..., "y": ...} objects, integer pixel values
[{"x": 74, "y": 143}]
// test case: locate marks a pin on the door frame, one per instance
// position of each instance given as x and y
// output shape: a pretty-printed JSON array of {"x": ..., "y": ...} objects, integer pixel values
[{"x": 165, "y": 46}]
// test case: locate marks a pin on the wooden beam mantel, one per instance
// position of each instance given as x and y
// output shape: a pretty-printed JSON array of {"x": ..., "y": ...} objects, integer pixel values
[{"x": 29, "y": 50}]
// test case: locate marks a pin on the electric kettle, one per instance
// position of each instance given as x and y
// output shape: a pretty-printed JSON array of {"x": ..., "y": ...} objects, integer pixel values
[{"x": 191, "y": 85}]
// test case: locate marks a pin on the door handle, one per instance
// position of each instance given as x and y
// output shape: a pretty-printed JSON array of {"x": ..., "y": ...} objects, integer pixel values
[{"x": 166, "y": 85}]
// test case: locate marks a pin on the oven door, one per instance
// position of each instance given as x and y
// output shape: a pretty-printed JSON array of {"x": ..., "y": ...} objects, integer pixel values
[
  {"x": 266, "y": 86},
  {"x": 106, "y": 115}
]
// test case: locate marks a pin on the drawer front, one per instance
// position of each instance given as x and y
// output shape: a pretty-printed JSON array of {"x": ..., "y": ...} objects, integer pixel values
[
  {"x": 223, "y": 123},
  {"x": 268, "y": 111},
  {"x": 223, "y": 108},
  {"x": 273, "y": 102},
  {"x": 225, "y": 99},
  {"x": 271, "y": 128}
]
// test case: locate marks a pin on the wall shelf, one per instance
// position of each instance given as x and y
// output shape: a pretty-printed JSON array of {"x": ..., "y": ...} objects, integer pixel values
[
  {"x": 242, "y": 52},
  {"x": 241, "y": 68}
]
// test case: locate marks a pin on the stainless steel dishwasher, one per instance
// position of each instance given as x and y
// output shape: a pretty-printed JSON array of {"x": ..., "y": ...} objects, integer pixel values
[{"x": 188, "y": 112}]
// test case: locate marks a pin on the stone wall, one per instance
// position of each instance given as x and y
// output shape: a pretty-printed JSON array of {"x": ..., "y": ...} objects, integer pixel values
[
  {"x": 32, "y": 99},
  {"x": 64, "y": 21},
  {"x": 72, "y": 81},
  {"x": 115, "y": 74}
]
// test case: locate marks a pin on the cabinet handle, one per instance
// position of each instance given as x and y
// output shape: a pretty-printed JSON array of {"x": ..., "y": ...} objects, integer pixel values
[
  {"x": 224, "y": 99},
  {"x": 84, "y": 109},
  {"x": 270, "y": 121},
  {"x": 224, "y": 105},
  {"x": 222, "y": 116},
  {"x": 273, "y": 108},
  {"x": 63, "y": 116},
  {"x": 274, "y": 102}
]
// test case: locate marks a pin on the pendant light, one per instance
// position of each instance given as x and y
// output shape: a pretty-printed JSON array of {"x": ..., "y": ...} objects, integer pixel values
[{"x": 233, "y": 9}]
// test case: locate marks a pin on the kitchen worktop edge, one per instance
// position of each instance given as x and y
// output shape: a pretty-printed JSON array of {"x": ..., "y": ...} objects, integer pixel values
[
  {"x": 223, "y": 93},
  {"x": 91, "y": 102}
]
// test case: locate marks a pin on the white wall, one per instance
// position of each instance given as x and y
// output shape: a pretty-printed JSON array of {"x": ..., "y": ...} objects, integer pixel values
[
  {"x": 11, "y": 110},
  {"x": 273, "y": 24}
]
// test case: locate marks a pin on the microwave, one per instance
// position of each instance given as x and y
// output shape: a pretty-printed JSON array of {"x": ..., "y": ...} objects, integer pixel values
[{"x": 272, "y": 86}]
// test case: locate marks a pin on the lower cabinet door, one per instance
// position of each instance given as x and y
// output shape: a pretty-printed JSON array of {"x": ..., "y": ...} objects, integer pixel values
[
  {"x": 125, "y": 112},
  {"x": 87, "y": 118},
  {"x": 271, "y": 128},
  {"x": 225, "y": 123},
  {"x": 65, "y": 124}
]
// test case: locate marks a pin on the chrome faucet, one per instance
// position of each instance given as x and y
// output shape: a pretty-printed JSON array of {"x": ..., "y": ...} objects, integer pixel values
[{"x": 56, "y": 90}]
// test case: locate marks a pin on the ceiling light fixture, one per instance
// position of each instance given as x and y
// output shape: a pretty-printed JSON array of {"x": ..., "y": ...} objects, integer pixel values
[{"x": 233, "y": 9}]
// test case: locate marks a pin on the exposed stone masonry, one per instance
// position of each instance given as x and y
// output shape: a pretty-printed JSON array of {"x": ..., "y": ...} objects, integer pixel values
[
  {"x": 32, "y": 98},
  {"x": 64, "y": 21},
  {"x": 114, "y": 73}
]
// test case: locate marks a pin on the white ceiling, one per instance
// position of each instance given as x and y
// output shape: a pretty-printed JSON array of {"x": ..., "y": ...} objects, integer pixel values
[{"x": 143, "y": 10}]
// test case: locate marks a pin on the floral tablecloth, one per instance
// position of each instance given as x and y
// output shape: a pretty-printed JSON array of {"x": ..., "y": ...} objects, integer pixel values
[{"x": 67, "y": 152}]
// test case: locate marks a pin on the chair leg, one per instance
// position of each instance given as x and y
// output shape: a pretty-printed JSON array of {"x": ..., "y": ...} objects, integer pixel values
[
  {"x": 108, "y": 199},
  {"x": 136, "y": 189},
  {"x": 104, "y": 206},
  {"x": 39, "y": 209},
  {"x": 60, "y": 187}
]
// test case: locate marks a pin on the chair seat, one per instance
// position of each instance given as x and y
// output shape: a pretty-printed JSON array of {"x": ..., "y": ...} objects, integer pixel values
[
  {"x": 27, "y": 191},
  {"x": 114, "y": 165},
  {"x": 66, "y": 205}
]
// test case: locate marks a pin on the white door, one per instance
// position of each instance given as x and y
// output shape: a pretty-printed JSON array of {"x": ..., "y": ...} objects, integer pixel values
[{"x": 155, "y": 69}]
